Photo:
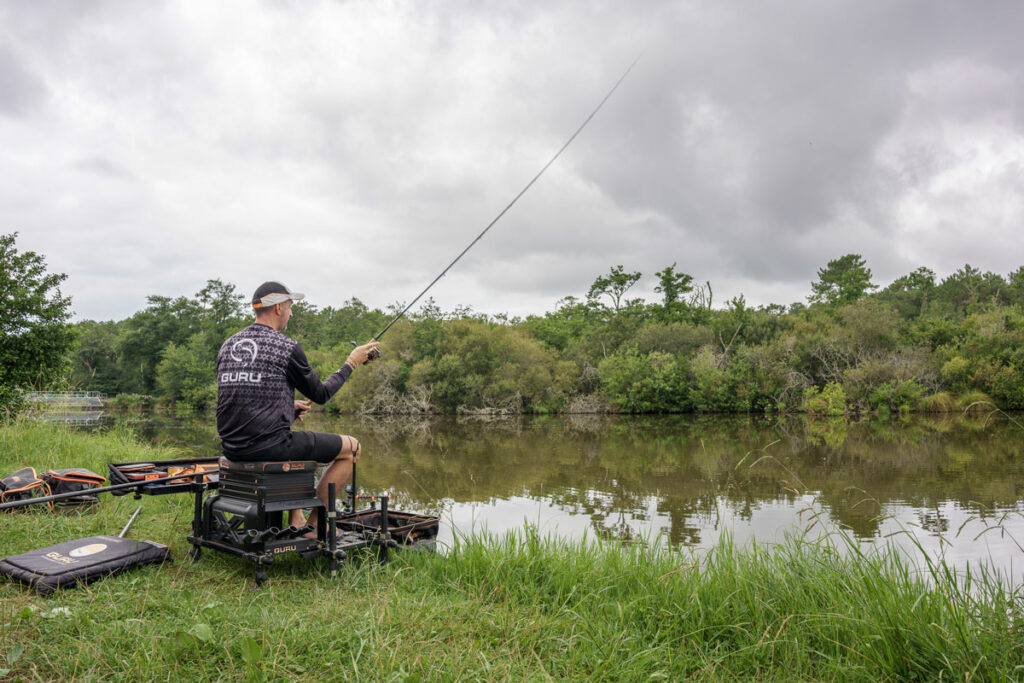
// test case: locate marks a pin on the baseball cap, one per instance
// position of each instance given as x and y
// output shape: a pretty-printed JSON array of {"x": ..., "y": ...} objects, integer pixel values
[{"x": 270, "y": 293}]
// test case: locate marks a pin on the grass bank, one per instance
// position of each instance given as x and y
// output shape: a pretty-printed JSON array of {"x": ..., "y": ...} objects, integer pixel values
[{"x": 520, "y": 607}]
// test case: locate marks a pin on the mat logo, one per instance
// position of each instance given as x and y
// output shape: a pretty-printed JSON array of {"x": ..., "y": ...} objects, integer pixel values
[
  {"x": 244, "y": 351},
  {"x": 87, "y": 550},
  {"x": 60, "y": 559}
]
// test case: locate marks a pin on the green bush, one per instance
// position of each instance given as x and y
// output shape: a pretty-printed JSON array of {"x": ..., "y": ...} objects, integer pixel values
[
  {"x": 186, "y": 375},
  {"x": 712, "y": 389},
  {"x": 956, "y": 373},
  {"x": 902, "y": 396},
  {"x": 887, "y": 351},
  {"x": 488, "y": 365},
  {"x": 829, "y": 400},
  {"x": 129, "y": 403},
  {"x": 644, "y": 383},
  {"x": 673, "y": 338},
  {"x": 761, "y": 376},
  {"x": 870, "y": 326},
  {"x": 861, "y": 383},
  {"x": 1006, "y": 386}
]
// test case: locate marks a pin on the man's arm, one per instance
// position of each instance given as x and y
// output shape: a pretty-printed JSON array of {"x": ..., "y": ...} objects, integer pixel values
[{"x": 302, "y": 376}]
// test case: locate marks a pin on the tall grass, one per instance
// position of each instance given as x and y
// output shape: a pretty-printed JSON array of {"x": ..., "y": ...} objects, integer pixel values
[
  {"x": 941, "y": 402},
  {"x": 976, "y": 402},
  {"x": 45, "y": 446},
  {"x": 515, "y": 607}
]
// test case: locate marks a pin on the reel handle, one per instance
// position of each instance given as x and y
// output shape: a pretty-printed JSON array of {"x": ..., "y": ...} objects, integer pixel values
[{"x": 373, "y": 355}]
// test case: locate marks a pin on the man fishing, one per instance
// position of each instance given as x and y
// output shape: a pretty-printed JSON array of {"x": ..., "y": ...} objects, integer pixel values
[{"x": 258, "y": 371}]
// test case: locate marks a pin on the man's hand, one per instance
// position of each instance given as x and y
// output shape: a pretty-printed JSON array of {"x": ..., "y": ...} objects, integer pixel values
[
  {"x": 301, "y": 408},
  {"x": 361, "y": 354}
]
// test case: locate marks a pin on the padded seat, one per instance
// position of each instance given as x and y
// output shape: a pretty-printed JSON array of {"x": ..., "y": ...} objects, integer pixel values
[{"x": 267, "y": 467}]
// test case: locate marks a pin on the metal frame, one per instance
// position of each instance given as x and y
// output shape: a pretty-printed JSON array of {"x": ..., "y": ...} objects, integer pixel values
[{"x": 255, "y": 530}]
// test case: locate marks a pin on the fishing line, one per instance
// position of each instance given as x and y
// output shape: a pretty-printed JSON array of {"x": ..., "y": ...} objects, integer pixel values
[{"x": 514, "y": 199}]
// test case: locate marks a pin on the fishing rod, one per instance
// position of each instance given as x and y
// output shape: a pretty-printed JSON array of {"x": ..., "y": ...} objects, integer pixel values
[{"x": 509, "y": 206}]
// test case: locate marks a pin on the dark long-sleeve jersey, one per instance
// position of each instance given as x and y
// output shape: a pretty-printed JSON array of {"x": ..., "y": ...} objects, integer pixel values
[{"x": 258, "y": 371}]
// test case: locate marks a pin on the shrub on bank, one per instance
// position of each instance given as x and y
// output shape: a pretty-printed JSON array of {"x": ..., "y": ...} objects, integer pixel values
[
  {"x": 901, "y": 397},
  {"x": 129, "y": 403},
  {"x": 1004, "y": 382},
  {"x": 711, "y": 390},
  {"x": 485, "y": 365},
  {"x": 677, "y": 339},
  {"x": 829, "y": 400},
  {"x": 645, "y": 383}
]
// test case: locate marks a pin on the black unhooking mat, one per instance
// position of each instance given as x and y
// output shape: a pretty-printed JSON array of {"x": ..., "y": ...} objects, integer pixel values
[{"x": 83, "y": 560}]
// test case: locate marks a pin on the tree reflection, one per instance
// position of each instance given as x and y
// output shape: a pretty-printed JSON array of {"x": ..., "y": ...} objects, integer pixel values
[{"x": 688, "y": 470}]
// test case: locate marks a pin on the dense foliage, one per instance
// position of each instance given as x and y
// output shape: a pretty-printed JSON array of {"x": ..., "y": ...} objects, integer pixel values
[
  {"x": 917, "y": 344},
  {"x": 34, "y": 334}
]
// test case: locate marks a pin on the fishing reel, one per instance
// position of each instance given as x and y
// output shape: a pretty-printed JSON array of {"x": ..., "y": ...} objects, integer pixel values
[{"x": 373, "y": 355}]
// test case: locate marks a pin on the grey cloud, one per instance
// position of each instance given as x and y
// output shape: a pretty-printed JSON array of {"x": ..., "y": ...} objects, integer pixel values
[
  {"x": 103, "y": 167},
  {"x": 807, "y": 94},
  {"x": 20, "y": 89},
  {"x": 752, "y": 143}
]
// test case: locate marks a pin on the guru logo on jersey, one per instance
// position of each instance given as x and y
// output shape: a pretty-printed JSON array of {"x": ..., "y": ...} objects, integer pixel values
[
  {"x": 244, "y": 351},
  {"x": 236, "y": 377}
]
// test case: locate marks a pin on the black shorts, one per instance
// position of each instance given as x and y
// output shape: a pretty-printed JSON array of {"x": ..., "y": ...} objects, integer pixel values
[{"x": 297, "y": 446}]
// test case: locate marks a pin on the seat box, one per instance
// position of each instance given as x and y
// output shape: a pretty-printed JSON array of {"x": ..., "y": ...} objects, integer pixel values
[{"x": 273, "y": 481}]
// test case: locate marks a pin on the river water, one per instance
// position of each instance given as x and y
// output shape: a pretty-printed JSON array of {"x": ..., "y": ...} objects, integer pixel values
[{"x": 951, "y": 486}]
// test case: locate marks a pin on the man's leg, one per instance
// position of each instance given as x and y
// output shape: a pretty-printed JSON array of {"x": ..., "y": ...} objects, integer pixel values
[{"x": 338, "y": 473}]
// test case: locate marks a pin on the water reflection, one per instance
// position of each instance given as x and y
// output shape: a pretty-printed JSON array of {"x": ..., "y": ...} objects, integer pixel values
[{"x": 688, "y": 479}]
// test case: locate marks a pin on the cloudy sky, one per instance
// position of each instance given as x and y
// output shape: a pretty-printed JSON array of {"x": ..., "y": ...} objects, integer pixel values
[{"x": 354, "y": 148}]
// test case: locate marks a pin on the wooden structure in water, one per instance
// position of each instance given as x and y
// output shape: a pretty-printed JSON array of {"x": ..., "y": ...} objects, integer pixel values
[{"x": 66, "y": 407}]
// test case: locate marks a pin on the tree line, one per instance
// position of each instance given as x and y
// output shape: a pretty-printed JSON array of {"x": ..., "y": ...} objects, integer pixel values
[{"x": 920, "y": 343}]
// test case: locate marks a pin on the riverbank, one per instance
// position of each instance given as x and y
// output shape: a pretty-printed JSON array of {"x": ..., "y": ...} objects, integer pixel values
[
  {"x": 829, "y": 403},
  {"x": 511, "y": 608}
]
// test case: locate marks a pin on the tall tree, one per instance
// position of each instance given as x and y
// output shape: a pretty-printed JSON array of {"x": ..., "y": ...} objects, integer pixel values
[
  {"x": 969, "y": 286},
  {"x": 1015, "y": 290},
  {"x": 148, "y": 332},
  {"x": 842, "y": 281},
  {"x": 222, "y": 305},
  {"x": 672, "y": 286},
  {"x": 911, "y": 293},
  {"x": 94, "y": 364},
  {"x": 614, "y": 285},
  {"x": 221, "y": 313},
  {"x": 35, "y": 337}
]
